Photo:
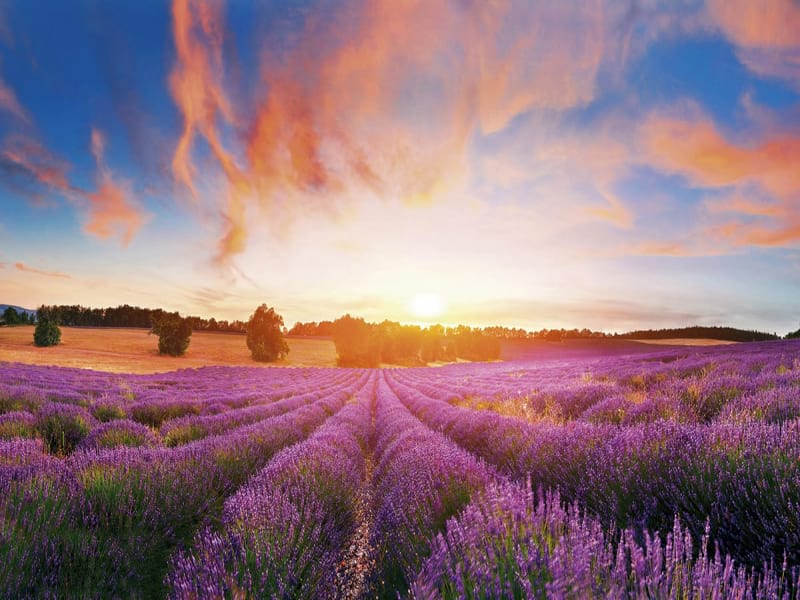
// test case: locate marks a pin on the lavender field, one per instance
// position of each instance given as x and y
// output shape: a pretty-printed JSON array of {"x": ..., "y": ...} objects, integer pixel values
[{"x": 673, "y": 474}]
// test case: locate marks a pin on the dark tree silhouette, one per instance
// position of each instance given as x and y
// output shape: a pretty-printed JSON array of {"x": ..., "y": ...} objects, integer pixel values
[
  {"x": 174, "y": 333},
  {"x": 12, "y": 317},
  {"x": 47, "y": 333},
  {"x": 265, "y": 335}
]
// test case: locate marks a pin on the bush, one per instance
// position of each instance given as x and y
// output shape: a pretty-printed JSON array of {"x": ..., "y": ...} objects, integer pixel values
[
  {"x": 47, "y": 333},
  {"x": 120, "y": 432},
  {"x": 173, "y": 333},
  {"x": 63, "y": 426},
  {"x": 18, "y": 424},
  {"x": 107, "y": 411},
  {"x": 265, "y": 335}
]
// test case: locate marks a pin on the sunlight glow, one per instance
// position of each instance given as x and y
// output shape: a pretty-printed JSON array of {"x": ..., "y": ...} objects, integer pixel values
[{"x": 427, "y": 306}]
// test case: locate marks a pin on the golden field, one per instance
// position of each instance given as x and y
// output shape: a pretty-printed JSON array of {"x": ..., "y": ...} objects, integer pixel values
[{"x": 123, "y": 350}]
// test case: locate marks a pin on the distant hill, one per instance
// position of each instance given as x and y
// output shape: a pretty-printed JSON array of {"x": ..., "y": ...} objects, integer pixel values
[
  {"x": 730, "y": 334},
  {"x": 19, "y": 309}
]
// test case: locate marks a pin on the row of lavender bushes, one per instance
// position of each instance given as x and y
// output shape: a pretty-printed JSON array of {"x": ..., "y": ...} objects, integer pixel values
[{"x": 104, "y": 523}]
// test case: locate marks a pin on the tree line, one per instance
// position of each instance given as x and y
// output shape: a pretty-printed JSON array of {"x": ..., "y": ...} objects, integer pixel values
[
  {"x": 11, "y": 316},
  {"x": 729, "y": 334},
  {"x": 264, "y": 330},
  {"x": 362, "y": 344},
  {"x": 128, "y": 316}
]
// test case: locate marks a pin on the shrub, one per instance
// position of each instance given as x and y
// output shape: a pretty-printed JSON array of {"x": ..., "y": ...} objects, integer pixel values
[
  {"x": 173, "y": 333},
  {"x": 108, "y": 411},
  {"x": 63, "y": 426},
  {"x": 47, "y": 333},
  {"x": 183, "y": 434},
  {"x": 120, "y": 432},
  {"x": 265, "y": 335},
  {"x": 18, "y": 424}
]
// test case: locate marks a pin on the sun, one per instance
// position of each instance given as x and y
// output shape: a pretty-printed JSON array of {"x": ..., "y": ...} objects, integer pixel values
[{"x": 427, "y": 306}]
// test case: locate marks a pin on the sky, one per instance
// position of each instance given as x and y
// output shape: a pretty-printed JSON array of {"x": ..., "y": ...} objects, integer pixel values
[{"x": 584, "y": 163}]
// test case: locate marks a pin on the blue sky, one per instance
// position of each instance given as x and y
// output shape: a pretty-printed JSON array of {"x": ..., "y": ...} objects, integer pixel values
[{"x": 606, "y": 164}]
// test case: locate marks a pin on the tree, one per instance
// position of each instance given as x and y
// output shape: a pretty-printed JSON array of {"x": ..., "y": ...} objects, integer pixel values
[
  {"x": 12, "y": 317},
  {"x": 358, "y": 343},
  {"x": 173, "y": 333},
  {"x": 47, "y": 333},
  {"x": 265, "y": 335}
]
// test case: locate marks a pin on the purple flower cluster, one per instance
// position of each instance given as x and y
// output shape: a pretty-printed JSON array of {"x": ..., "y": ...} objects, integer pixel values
[
  {"x": 512, "y": 543},
  {"x": 283, "y": 532},
  {"x": 421, "y": 480}
]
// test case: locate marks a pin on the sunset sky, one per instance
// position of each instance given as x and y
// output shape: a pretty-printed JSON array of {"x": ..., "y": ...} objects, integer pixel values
[{"x": 601, "y": 164}]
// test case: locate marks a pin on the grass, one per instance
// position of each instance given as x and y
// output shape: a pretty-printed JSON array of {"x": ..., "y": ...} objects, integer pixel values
[{"x": 124, "y": 350}]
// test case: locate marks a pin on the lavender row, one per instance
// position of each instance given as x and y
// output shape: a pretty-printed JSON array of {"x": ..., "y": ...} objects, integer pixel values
[
  {"x": 189, "y": 391},
  {"x": 190, "y": 428},
  {"x": 103, "y": 524},
  {"x": 421, "y": 479},
  {"x": 64, "y": 426},
  {"x": 512, "y": 543},
  {"x": 282, "y": 534},
  {"x": 743, "y": 479},
  {"x": 752, "y": 382}
]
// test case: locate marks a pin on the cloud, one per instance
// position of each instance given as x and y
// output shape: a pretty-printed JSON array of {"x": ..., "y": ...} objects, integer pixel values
[
  {"x": 196, "y": 83},
  {"x": 10, "y": 104},
  {"x": 374, "y": 99},
  {"x": 112, "y": 209},
  {"x": 8, "y": 98},
  {"x": 26, "y": 269},
  {"x": 762, "y": 175},
  {"x": 766, "y": 34},
  {"x": 30, "y": 165}
]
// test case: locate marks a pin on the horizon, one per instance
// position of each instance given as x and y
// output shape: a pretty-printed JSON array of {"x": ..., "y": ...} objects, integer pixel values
[
  {"x": 611, "y": 165},
  {"x": 447, "y": 325}
]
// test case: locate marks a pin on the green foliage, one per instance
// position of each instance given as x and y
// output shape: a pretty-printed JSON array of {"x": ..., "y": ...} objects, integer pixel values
[
  {"x": 108, "y": 412},
  {"x": 173, "y": 333},
  {"x": 184, "y": 434},
  {"x": 12, "y": 317},
  {"x": 793, "y": 335},
  {"x": 265, "y": 335},
  {"x": 47, "y": 333},
  {"x": 62, "y": 432}
]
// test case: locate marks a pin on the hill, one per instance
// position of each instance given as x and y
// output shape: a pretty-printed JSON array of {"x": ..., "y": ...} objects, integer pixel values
[
  {"x": 19, "y": 309},
  {"x": 730, "y": 334}
]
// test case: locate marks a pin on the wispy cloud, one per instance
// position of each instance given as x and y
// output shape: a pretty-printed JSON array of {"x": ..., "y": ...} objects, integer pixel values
[
  {"x": 766, "y": 34},
  {"x": 20, "y": 266},
  {"x": 692, "y": 146},
  {"x": 112, "y": 209},
  {"x": 386, "y": 97}
]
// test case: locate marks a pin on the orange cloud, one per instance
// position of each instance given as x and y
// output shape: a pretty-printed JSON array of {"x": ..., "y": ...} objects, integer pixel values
[
  {"x": 766, "y": 33},
  {"x": 112, "y": 209},
  {"x": 375, "y": 96},
  {"x": 29, "y": 158},
  {"x": 26, "y": 269},
  {"x": 768, "y": 23},
  {"x": 694, "y": 148},
  {"x": 196, "y": 83}
]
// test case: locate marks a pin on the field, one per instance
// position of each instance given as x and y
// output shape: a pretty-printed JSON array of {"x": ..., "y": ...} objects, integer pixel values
[
  {"x": 123, "y": 350},
  {"x": 670, "y": 473}
]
